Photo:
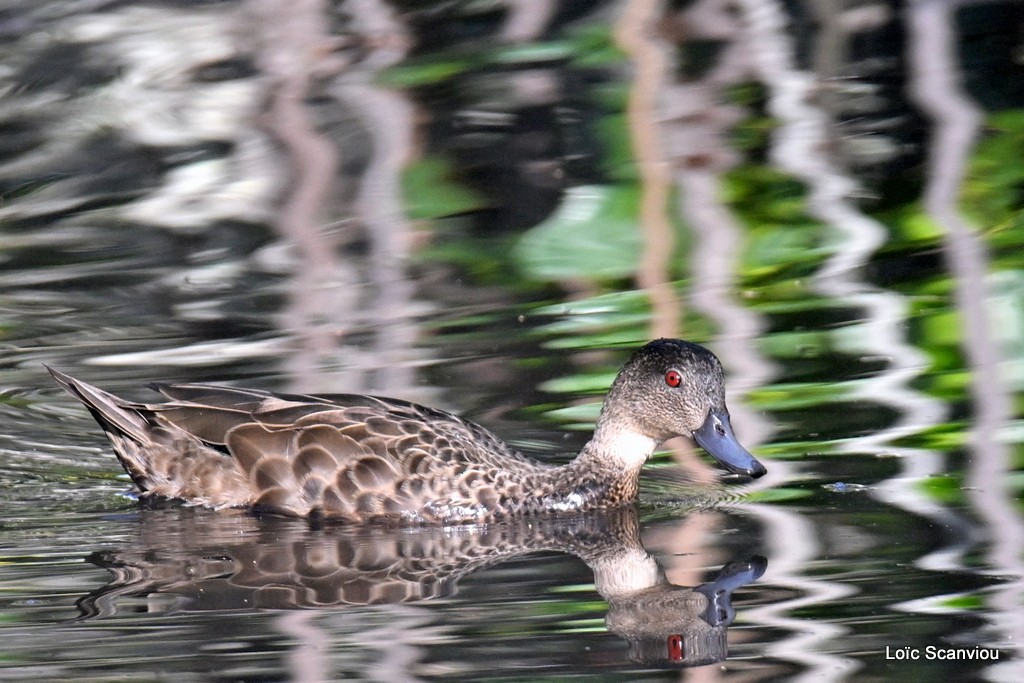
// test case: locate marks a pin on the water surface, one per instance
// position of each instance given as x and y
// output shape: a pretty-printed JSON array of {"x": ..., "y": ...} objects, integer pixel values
[{"x": 485, "y": 208}]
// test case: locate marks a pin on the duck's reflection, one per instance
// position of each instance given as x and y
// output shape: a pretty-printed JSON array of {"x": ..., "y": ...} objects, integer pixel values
[{"x": 191, "y": 560}]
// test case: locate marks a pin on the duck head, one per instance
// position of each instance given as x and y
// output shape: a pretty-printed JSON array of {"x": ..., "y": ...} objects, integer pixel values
[{"x": 673, "y": 388}]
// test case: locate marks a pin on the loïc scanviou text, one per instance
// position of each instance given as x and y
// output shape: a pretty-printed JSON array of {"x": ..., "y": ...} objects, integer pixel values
[{"x": 948, "y": 653}]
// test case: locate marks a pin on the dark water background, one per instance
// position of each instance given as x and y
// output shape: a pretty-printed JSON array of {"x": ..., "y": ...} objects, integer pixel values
[{"x": 484, "y": 207}]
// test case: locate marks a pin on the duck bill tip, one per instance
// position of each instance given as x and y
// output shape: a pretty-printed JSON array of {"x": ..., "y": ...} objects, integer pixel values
[{"x": 717, "y": 438}]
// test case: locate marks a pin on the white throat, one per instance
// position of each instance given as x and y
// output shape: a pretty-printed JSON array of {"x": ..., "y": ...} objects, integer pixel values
[{"x": 631, "y": 449}]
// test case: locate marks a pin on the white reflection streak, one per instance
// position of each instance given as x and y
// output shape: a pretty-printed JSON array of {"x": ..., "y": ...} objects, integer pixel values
[
  {"x": 307, "y": 657},
  {"x": 714, "y": 263},
  {"x": 798, "y": 148},
  {"x": 634, "y": 35},
  {"x": 388, "y": 116},
  {"x": 697, "y": 126},
  {"x": 390, "y": 642},
  {"x": 793, "y": 549},
  {"x": 292, "y": 40},
  {"x": 526, "y": 20},
  {"x": 937, "y": 88}
]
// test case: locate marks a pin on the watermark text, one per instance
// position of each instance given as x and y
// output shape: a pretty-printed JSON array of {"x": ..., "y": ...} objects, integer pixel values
[{"x": 946, "y": 653}]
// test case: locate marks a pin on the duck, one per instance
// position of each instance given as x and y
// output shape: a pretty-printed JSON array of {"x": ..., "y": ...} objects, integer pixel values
[{"x": 365, "y": 459}]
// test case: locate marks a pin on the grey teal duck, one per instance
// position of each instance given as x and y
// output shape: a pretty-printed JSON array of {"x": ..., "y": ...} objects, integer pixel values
[{"x": 360, "y": 458}]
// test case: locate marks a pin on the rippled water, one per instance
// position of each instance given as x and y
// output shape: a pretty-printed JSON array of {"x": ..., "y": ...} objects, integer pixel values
[{"x": 468, "y": 206}]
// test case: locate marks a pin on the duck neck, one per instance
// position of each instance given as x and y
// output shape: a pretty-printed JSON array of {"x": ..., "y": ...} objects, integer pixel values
[{"x": 610, "y": 463}]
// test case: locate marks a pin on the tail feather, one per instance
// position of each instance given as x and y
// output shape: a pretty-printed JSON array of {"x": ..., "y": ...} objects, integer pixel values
[
  {"x": 110, "y": 411},
  {"x": 127, "y": 429}
]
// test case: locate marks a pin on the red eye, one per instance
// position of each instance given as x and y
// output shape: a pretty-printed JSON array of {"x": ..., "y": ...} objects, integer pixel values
[{"x": 673, "y": 378}]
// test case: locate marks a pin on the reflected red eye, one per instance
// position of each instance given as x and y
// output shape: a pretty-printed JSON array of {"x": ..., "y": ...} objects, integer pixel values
[
  {"x": 675, "y": 648},
  {"x": 673, "y": 378}
]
